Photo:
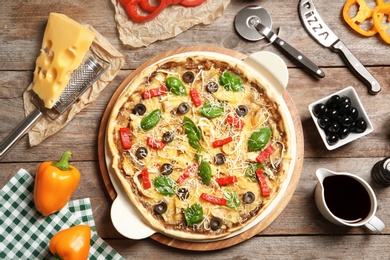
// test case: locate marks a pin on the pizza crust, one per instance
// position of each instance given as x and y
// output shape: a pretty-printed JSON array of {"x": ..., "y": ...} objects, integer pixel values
[{"x": 120, "y": 117}]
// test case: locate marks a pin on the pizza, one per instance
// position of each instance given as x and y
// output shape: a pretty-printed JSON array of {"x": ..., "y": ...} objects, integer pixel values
[{"x": 200, "y": 145}]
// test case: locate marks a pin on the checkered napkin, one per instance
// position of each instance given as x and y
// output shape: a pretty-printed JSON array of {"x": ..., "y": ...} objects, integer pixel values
[{"x": 25, "y": 233}]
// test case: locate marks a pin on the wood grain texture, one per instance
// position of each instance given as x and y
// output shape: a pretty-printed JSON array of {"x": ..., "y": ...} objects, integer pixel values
[{"x": 300, "y": 231}]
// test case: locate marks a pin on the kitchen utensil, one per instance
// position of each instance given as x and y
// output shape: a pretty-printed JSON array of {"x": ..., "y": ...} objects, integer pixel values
[
  {"x": 317, "y": 28},
  {"x": 254, "y": 23},
  {"x": 81, "y": 79}
]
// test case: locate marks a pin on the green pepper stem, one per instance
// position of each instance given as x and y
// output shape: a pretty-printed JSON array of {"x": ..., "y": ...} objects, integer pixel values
[{"x": 63, "y": 164}]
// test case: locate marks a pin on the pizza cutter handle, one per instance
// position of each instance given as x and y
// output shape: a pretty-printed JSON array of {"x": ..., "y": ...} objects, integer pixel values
[
  {"x": 298, "y": 57},
  {"x": 20, "y": 130}
]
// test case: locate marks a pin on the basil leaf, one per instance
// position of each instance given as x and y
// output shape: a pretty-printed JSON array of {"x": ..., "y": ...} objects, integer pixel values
[
  {"x": 231, "y": 82},
  {"x": 210, "y": 111},
  {"x": 165, "y": 185},
  {"x": 232, "y": 199},
  {"x": 250, "y": 172},
  {"x": 193, "y": 214},
  {"x": 259, "y": 139},
  {"x": 191, "y": 130},
  {"x": 175, "y": 86},
  {"x": 151, "y": 120},
  {"x": 205, "y": 172}
]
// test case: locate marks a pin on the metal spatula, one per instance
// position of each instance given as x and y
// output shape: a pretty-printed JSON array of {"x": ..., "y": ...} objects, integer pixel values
[{"x": 81, "y": 79}]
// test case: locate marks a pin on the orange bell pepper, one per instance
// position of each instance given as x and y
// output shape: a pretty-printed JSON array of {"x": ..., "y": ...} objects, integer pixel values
[
  {"x": 362, "y": 15},
  {"x": 55, "y": 183},
  {"x": 377, "y": 16},
  {"x": 72, "y": 243}
]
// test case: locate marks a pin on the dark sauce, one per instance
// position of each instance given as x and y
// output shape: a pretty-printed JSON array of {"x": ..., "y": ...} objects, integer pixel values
[{"x": 346, "y": 198}]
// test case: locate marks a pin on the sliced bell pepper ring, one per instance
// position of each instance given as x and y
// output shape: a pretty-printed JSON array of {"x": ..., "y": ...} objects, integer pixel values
[
  {"x": 195, "y": 97},
  {"x": 154, "y": 92},
  {"x": 363, "y": 14},
  {"x": 213, "y": 199},
  {"x": 378, "y": 16},
  {"x": 145, "y": 5},
  {"x": 154, "y": 143},
  {"x": 145, "y": 179},
  {"x": 265, "y": 154},
  {"x": 226, "y": 180},
  {"x": 263, "y": 183},
  {"x": 125, "y": 138},
  {"x": 236, "y": 122},
  {"x": 222, "y": 142},
  {"x": 133, "y": 11},
  {"x": 187, "y": 173}
]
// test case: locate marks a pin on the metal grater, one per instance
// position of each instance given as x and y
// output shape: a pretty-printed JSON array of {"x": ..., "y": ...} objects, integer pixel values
[{"x": 81, "y": 79}]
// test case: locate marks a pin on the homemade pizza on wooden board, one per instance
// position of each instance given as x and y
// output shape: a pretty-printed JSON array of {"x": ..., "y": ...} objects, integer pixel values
[{"x": 222, "y": 176}]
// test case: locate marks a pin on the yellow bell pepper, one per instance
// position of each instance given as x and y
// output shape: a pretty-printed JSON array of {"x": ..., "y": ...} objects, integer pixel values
[
  {"x": 362, "y": 15},
  {"x": 55, "y": 183},
  {"x": 377, "y": 16},
  {"x": 72, "y": 243}
]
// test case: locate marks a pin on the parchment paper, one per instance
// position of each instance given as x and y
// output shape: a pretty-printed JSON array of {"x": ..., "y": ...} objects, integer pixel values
[
  {"x": 45, "y": 126},
  {"x": 172, "y": 21}
]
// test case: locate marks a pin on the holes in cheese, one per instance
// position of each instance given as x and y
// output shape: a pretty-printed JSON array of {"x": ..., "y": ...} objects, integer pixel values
[{"x": 65, "y": 43}]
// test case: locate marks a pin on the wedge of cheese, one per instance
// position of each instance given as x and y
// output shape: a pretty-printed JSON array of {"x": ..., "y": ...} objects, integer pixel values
[{"x": 65, "y": 43}]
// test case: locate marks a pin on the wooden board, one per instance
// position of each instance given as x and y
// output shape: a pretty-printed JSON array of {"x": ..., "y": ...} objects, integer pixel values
[{"x": 203, "y": 246}]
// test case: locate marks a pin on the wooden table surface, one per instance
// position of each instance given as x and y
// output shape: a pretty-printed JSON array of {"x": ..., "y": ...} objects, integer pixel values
[{"x": 300, "y": 231}]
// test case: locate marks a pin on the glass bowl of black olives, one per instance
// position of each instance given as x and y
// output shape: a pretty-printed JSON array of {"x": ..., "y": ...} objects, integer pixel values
[{"x": 340, "y": 118}]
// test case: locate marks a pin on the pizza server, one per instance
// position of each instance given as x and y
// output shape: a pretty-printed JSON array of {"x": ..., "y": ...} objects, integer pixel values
[
  {"x": 317, "y": 28},
  {"x": 254, "y": 23}
]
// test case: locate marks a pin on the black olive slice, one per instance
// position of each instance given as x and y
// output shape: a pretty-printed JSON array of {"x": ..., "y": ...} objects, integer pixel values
[
  {"x": 212, "y": 87},
  {"x": 183, "y": 193},
  {"x": 215, "y": 223},
  {"x": 219, "y": 158},
  {"x": 248, "y": 197},
  {"x": 242, "y": 110},
  {"x": 139, "y": 109},
  {"x": 168, "y": 137},
  {"x": 166, "y": 169},
  {"x": 161, "y": 207},
  {"x": 188, "y": 76},
  {"x": 183, "y": 108},
  {"x": 141, "y": 153}
]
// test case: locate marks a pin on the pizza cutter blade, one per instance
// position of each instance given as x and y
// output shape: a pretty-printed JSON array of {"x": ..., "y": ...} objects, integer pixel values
[{"x": 254, "y": 23}]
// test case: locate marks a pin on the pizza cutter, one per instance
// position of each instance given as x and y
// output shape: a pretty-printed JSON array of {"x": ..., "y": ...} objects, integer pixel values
[{"x": 254, "y": 23}]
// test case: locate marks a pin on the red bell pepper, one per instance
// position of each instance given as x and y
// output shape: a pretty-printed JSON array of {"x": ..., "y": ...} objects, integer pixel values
[
  {"x": 192, "y": 2},
  {"x": 125, "y": 137},
  {"x": 226, "y": 180},
  {"x": 187, "y": 173},
  {"x": 154, "y": 143},
  {"x": 265, "y": 154},
  {"x": 263, "y": 183},
  {"x": 235, "y": 122},
  {"x": 154, "y": 92},
  {"x": 145, "y": 179},
  {"x": 195, "y": 97},
  {"x": 213, "y": 199},
  {"x": 222, "y": 142}
]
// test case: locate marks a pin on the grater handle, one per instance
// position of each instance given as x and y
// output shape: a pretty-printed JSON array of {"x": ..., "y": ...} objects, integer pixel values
[{"x": 20, "y": 130}]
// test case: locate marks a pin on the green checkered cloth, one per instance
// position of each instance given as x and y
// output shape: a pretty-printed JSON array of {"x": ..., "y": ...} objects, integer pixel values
[{"x": 25, "y": 233}]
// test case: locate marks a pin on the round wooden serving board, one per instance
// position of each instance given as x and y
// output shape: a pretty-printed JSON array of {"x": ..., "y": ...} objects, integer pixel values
[{"x": 213, "y": 245}]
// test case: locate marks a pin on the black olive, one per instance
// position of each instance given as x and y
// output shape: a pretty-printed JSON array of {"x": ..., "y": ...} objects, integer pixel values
[
  {"x": 334, "y": 127},
  {"x": 319, "y": 110},
  {"x": 212, "y": 87},
  {"x": 354, "y": 113},
  {"x": 333, "y": 102},
  {"x": 141, "y": 153},
  {"x": 345, "y": 108},
  {"x": 242, "y": 110},
  {"x": 166, "y": 169},
  {"x": 188, "y": 76},
  {"x": 139, "y": 109},
  {"x": 345, "y": 99},
  {"x": 183, "y": 193},
  {"x": 346, "y": 121},
  {"x": 333, "y": 114},
  {"x": 183, "y": 108},
  {"x": 215, "y": 223},
  {"x": 361, "y": 125},
  {"x": 249, "y": 197},
  {"x": 324, "y": 122},
  {"x": 219, "y": 158},
  {"x": 160, "y": 208},
  {"x": 332, "y": 138},
  {"x": 343, "y": 133},
  {"x": 168, "y": 137}
]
